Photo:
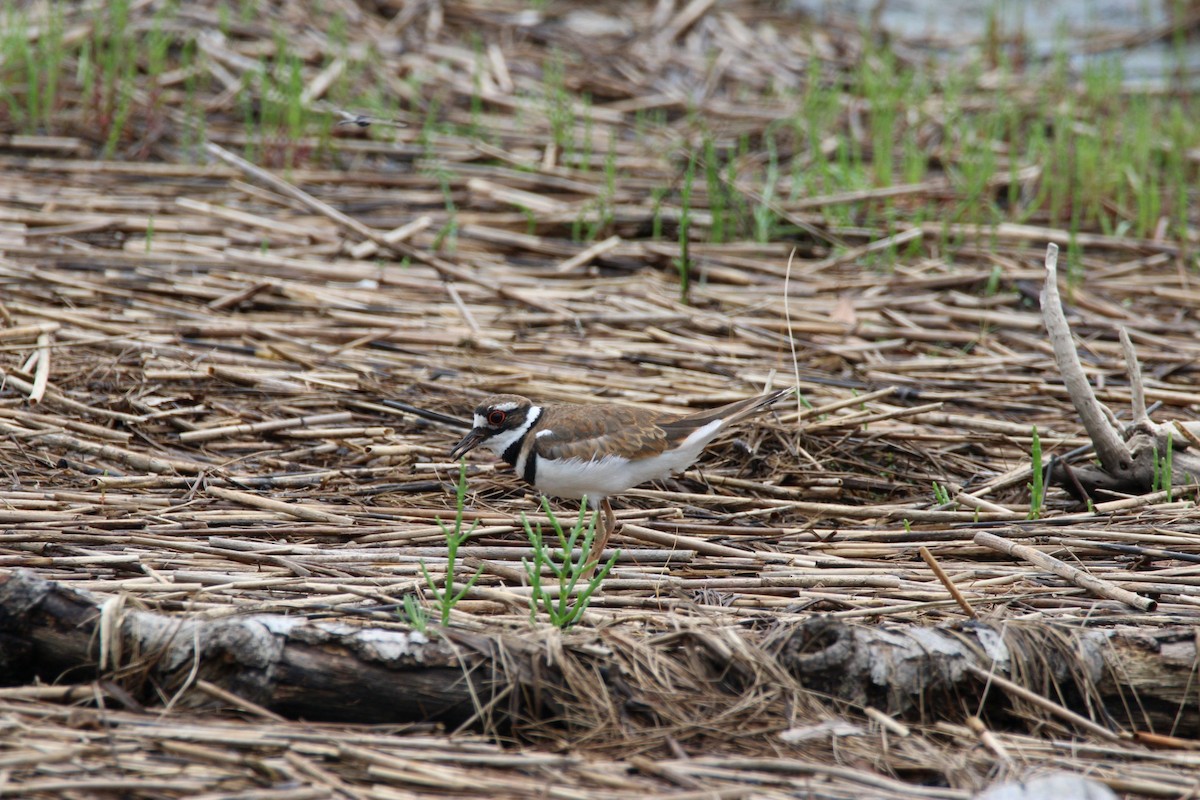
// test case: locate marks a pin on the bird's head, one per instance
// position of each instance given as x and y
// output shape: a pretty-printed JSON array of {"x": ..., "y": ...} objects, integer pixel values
[{"x": 499, "y": 421}]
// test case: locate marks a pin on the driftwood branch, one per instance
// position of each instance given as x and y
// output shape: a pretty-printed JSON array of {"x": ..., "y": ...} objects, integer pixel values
[
  {"x": 1136, "y": 389},
  {"x": 1114, "y": 456},
  {"x": 1128, "y": 456}
]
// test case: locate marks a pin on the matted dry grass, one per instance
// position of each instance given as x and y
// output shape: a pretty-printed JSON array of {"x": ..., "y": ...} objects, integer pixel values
[{"x": 213, "y": 353}]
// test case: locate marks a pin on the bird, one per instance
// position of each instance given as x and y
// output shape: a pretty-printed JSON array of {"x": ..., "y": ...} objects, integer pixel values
[{"x": 592, "y": 450}]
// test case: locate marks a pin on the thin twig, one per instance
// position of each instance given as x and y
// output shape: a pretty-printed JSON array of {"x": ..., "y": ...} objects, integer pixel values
[{"x": 945, "y": 579}]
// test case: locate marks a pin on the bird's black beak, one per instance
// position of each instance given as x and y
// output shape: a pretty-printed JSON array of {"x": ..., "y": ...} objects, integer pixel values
[{"x": 468, "y": 443}]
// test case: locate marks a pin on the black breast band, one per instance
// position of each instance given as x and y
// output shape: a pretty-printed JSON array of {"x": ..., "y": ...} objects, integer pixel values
[{"x": 511, "y": 452}]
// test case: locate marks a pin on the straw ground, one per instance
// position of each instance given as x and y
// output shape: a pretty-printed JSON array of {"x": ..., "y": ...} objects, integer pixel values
[{"x": 231, "y": 238}]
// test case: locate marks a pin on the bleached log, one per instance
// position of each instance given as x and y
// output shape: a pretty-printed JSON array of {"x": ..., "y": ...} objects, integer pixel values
[{"x": 334, "y": 670}]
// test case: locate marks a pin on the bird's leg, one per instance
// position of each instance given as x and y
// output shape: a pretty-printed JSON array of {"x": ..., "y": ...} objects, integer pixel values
[{"x": 607, "y": 524}]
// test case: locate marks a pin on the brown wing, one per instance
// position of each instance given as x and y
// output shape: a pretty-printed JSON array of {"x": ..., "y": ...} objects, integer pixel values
[{"x": 592, "y": 432}]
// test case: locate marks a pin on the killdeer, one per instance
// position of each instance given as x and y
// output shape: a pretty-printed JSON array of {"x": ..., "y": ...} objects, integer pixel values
[{"x": 597, "y": 450}]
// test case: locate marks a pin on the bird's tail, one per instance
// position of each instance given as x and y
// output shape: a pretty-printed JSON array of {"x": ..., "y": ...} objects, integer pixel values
[{"x": 731, "y": 413}]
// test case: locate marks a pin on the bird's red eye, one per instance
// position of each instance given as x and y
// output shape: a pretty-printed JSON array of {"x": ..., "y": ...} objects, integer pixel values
[{"x": 496, "y": 417}]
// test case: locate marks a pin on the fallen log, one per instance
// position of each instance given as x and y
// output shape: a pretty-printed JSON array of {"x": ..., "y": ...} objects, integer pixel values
[
  {"x": 312, "y": 670},
  {"x": 588, "y": 680},
  {"x": 1126, "y": 677}
]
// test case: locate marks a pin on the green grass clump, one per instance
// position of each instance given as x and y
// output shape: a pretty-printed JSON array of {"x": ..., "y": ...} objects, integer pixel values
[
  {"x": 1001, "y": 139},
  {"x": 562, "y": 607},
  {"x": 1037, "y": 487},
  {"x": 444, "y": 597},
  {"x": 35, "y": 67},
  {"x": 1164, "y": 469}
]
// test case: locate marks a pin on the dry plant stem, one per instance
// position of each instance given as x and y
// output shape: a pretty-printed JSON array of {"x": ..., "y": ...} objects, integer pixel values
[
  {"x": 787, "y": 319},
  {"x": 702, "y": 546},
  {"x": 971, "y": 501},
  {"x": 107, "y": 451},
  {"x": 649, "y": 766},
  {"x": 945, "y": 579},
  {"x": 30, "y": 419},
  {"x": 846, "y": 402},
  {"x": 291, "y": 509},
  {"x": 855, "y": 253},
  {"x": 864, "y": 419},
  {"x": 1155, "y": 552},
  {"x": 52, "y": 396},
  {"x": 1110, "y": 448},
  {"x": 1150, "y": 499},
  {"x": 207, "y": 434},
  {"x": 1186, "y": 433},
  {"x": 444, "y": 267},
  {"x": 1078, "y": 577},
  {"x": 326, "y": 781},
  {"x": 989, "y": 740},
  {"x": 1165, "y": 742},
  {"x": 407, "y": 231},
  {"x": 250, "y": 220},
  {"x": 761, "y": 770},
  {"x": 1057, "y": 710},
  {"x": 42, "y": 376},
  {"x": 1017, "y": 231},
  {"x": 588, "y": 254},
  {"x": 283, "y": 187},
  {"x": 763, "y": 582},
  {"x": 27, "y": 331},
  {"x": 241, "y": 703},
  {"x": 886, "y": 721}
]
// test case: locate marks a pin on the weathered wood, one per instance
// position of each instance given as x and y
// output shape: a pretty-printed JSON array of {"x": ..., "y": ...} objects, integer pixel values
[
  {"x": 912, "y": 670},
  {"x": 305, "y": 669},
  {"x": 323, "y": 670},
  {"x": 1129, "y": 458}
]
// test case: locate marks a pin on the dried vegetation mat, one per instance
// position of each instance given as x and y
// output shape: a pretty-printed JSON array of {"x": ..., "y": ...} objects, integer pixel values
[{"x": 255, "y": 265}]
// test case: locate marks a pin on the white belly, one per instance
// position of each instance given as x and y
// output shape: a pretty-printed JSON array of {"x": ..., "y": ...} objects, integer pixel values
[{"x": 599, "y": 478}]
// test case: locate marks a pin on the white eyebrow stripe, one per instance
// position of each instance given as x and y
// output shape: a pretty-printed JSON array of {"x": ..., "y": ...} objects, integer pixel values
[{"x": 505, "y": 406}]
